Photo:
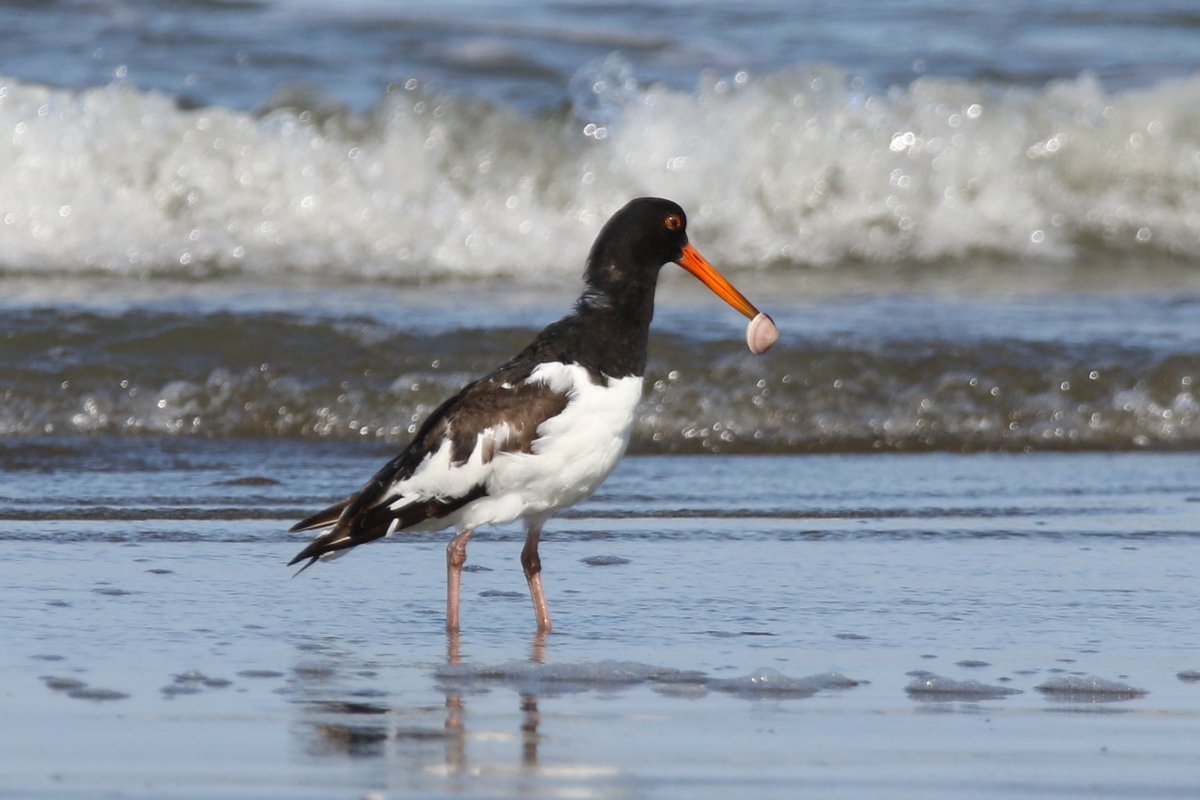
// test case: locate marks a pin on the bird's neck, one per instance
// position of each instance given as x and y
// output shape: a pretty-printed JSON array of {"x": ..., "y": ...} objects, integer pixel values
[
  {"x": 608, "y": 332},
  {"x": 614, "y": 335},
  {"x": 634, "y": 306}
]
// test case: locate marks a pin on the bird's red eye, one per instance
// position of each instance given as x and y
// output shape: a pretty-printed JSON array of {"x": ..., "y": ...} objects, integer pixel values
[{"x": 674, "y": 222}]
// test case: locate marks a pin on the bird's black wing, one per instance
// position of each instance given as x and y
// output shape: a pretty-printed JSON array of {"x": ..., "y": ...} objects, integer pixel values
[{"x": 500, "y": 413}]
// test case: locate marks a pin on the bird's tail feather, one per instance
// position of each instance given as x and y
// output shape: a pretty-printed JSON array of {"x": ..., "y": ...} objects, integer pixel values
[
  {"x": 322, "y": 519},
  {"x": 371, "y": 524},
  {"x": 327, "y": 545}
]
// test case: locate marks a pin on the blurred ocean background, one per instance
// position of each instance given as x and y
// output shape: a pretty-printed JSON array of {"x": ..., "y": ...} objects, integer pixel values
[{"x": 977, "y": 224}]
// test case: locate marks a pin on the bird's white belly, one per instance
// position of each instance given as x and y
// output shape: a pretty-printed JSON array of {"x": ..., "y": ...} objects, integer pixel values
[{"x": 573, "y": 454}]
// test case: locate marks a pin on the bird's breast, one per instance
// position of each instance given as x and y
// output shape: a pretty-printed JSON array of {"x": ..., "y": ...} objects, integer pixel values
[{"x": 576, "y": 449}]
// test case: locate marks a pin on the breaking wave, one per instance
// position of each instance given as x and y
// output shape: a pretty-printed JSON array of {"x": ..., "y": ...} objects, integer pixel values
[{"x": 804, "y": 168}]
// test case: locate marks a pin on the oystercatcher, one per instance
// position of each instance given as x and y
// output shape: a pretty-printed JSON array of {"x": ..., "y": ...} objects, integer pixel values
[{"x": 543, "y": 430}]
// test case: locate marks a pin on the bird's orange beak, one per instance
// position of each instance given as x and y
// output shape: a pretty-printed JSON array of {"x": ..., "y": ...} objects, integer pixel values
[{"x": 698, "y": 265}]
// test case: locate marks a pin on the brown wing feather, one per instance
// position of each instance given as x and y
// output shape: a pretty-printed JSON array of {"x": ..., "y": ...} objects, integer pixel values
[{"x": 480, "y": 406}]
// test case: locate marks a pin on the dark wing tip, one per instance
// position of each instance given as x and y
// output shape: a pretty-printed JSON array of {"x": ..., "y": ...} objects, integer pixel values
[
  {"x": 303, "y": 554},
  {"x": 311, "y": 560},
  {"x": 328, "y": 542},
  {"x": 322, "y": 519}
]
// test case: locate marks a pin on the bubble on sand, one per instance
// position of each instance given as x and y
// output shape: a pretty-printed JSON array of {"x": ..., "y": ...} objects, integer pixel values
[
  {"x": 78, "y": 690},
  {"x": 314, "y": 671},
  {"x": 1088, "y": 689},
  {"x": 604, "y": 561},
  {"x": 98, "y": 695},
  {"x": 544, "y": 678},
  {"x": 193, "y": 682},
  {"x": 62, "y": 684},
  {"x": 195, "y": 676},
  {"x": 770, "y": 683},
  {"x": 683, "y": 691},
  {"x": 111, "y": 591},
  {"x": 939, "y": 688}
]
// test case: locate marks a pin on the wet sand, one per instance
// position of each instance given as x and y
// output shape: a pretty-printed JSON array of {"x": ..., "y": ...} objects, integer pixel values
[{"x": 924, "y": 626}]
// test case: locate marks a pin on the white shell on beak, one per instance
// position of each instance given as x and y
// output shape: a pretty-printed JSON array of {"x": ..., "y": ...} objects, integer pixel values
[{"x": 761, "y": 333}]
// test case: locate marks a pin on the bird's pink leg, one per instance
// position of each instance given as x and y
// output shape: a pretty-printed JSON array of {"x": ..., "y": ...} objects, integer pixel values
[
  {"x": 533, "y": 575},
  {"x": 456, "y": 556}
]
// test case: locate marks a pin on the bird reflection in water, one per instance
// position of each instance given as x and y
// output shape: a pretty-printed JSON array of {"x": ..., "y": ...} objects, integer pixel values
[
  {"x": 456, "y": 742},
  {"x": 360, "y": 725}
]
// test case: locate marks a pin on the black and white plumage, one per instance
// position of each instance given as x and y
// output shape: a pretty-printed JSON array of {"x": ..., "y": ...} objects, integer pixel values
[{"x": 542, "y": 431}]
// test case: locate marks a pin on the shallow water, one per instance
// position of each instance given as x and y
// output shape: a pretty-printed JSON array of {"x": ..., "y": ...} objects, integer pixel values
[{"x": 723, "y": 624}]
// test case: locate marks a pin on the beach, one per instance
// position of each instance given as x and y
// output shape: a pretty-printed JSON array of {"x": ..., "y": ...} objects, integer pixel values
[
  {"x": 998, "y": 626},
  {"x": 940, "y": 541}
]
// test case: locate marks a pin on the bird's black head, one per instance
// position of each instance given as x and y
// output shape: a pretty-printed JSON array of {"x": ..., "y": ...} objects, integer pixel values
[
  {"x": 623, "y": 267},
  {"x": 632, "y": 247}
]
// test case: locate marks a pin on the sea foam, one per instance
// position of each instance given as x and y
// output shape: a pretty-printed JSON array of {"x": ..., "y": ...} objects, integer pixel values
[
  {"x": 805, "y": 167},
  {"x": 610, "y": 674},
  {"x": 1088, "y": 689},
  {"x": 939, "y": 688}
]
